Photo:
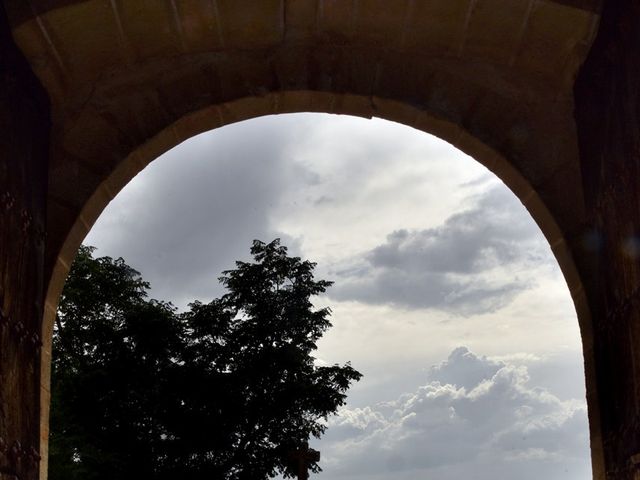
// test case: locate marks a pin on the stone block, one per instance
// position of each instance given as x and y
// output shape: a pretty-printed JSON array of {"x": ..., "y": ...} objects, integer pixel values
[
  {"x": 150, "y": 29},
  {"x": 336, "y": 21},
  {"x": 89, "y": 30},
  {"x": 251, "y": 24},
  {"x": 301, "y": 19},
  {"x": 435, "y": 26},
  {"x": 94, "y": 139},
  {"x": 381, "y": 24},
  {"x": 553, "y": 28},
  {"x": 200, "y": 24},
  {"x": 495, "y": 30}
]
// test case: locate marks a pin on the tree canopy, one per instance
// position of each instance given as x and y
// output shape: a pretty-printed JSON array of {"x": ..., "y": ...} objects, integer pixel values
[{"x": 224, "y": 390}]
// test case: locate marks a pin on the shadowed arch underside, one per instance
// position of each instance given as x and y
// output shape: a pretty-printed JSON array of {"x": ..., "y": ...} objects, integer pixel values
[{"x": 130, "y": 79}]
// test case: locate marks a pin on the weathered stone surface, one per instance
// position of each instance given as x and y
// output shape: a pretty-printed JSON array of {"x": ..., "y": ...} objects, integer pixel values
[
  {"x": 502, "y": 70},
  {"x": 493, "y": 77},
  {"x": 608, "y": 120},
  {"x": 24, "y": 123}
]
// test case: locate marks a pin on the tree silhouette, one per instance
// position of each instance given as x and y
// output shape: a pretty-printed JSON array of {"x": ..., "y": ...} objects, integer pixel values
[{"x": 225, "y": 390}]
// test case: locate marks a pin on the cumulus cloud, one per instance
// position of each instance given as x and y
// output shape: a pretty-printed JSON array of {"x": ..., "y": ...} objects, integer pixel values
[
  {"x": 463, "y": 266},
  {"x": 476, "y": 418},
  {"x": 464, "y": 369}
]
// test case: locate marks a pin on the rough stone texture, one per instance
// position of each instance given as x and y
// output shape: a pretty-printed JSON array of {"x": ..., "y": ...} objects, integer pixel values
[
  {"x": 493, "y": 77},
  {"x": 496, "y": 78},
  {"x": 24, "y": 123},
  {"x": 502, "y": 70},
  {"x": 608, "y": 121}
]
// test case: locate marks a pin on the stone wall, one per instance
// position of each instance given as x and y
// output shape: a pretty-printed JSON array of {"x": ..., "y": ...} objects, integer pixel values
[
  {"x": 608, "y": 119},
  {"x": 607, "y": 113},
  {"x": 24, "y": 138}
]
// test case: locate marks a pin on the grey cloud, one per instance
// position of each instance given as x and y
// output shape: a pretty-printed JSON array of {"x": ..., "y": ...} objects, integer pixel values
[
  {"x": 493, "y": 232},
  {"x": 497, "y": 424},
  {"x": 481, "y": 180},
  {"x": 444, "y": 267},
  {"x": 426, "y": 290},
  {"x": 323, "y": 200},
  {"x": 199, "y": 207}
]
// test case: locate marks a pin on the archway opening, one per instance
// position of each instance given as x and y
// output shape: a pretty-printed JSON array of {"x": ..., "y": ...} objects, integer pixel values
[{"x": 467, "y": 241}]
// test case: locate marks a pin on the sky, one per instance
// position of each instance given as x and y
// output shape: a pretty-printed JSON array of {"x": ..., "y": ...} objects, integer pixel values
[{"x": 446, "y": 296}]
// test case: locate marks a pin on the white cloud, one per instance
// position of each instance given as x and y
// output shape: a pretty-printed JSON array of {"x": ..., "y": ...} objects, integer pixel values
[
  {"x": 464, "y": 369},
  {"x": 475, "y": 417}
]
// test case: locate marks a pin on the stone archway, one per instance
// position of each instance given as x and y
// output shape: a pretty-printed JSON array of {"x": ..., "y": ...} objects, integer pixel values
[
  {"x": 495, "y": 78},
  {"x": 284, "y": 102}
]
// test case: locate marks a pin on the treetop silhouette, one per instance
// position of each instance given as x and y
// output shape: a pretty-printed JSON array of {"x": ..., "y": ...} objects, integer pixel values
[{"x": 226, "y": 390}]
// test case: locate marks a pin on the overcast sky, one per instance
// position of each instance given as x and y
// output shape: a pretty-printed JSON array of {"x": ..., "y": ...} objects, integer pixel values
[{"x": 446, "y": 297}]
